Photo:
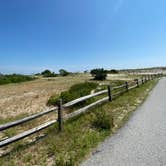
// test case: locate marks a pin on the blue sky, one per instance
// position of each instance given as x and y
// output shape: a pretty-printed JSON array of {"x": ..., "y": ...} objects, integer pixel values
[{"x": 81, "y": 34}]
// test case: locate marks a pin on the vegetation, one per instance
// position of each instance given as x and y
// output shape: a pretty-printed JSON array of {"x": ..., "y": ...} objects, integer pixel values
[
  {"x": 113, "y": 71},
  {"x": 76, "y": 91},
  {"x": 80, "y": 134},
  {"x": 102, "y": 120},
  {"x": 31, "y": 97},
  {"x": 99, "y": 74},
  {"x": 63, "y": 72},
  {"x": 48, "y": 73},
  {"x": 14, "y": 78}
]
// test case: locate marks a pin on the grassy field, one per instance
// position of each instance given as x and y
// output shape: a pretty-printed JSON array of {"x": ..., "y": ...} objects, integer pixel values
[
  {"x": 81, "y": 134},
  {"x": 31, "y": 97}
]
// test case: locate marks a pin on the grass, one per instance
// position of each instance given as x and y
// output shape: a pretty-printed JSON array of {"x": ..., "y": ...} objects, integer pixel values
[
  {"x": 31, "y": 97},
  {"x": 14, "y": 78},
  {"x": 80, "y": 134}
]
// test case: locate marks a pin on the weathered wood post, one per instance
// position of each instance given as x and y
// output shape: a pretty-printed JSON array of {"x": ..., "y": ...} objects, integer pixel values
[
  {"x": 137, "y": 82},
  {"x": 109, "y": 93},
  {"x": 127, "y": 86},
  {"x": 142, "y": 81},
  {"x": 60, "y": 115}
]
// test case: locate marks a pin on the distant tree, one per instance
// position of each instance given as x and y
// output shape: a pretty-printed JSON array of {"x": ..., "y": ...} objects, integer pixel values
[
  {"x": 86, "y": 71},
  {"x": 48, "y": 73},
  {"x": 99, "y": 74},
  {"x": 113, "y": 71},
  {"x": 63, "y": 72}
]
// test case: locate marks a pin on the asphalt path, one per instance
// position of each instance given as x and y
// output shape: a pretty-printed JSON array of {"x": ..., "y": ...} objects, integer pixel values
[{"x": 142, "y": 141}]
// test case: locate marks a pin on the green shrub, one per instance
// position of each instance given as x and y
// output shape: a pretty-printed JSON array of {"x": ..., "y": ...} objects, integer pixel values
[
  {"x": 14, "y": 78},
  {"x": 76, "y": 91},
  {"x": 48, "y": 73},
  {"x": 68, "y": 96},
  {"x": 99, "y": 74},
  {"x": 63, "y": 72},
  {"x": 53, "y": 100},
  {"x": 113, "y": 71},
  {"x": 103, "y": 120}
]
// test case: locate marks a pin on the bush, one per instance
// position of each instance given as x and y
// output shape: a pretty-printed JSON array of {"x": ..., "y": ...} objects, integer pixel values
[
  {"x": 53, "y": 100},
  {"x": 103, "y": 120},
  {"x": 14, "y": 78},
  {"x": 76, "y": 91},
  {"x": 63, "y": 72},
  {"x": 113, "y": 71},
  {"x": 99, "y": 74},
  {"x": 48, "y": 73}
]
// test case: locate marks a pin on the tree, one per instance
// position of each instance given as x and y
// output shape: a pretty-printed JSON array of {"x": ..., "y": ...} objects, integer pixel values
[
  {"x": 113, "y": 71},
  {"x": 63, "y": 72},
  {"x": 48, "y": 73},
  {"x": 99, "y": 74}
]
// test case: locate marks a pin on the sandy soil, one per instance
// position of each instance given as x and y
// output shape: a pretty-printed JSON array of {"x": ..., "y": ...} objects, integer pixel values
[{"x": 31, "y": 97}]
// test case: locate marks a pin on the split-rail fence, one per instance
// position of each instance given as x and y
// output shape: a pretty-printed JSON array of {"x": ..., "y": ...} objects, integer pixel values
[{"x": 59, "y": 109}]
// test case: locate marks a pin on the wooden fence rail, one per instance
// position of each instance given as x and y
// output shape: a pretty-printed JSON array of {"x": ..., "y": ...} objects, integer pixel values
[
  {"x": 109, "y": 91},
  {"x": 26, "y": 119},
  {"x": 84, "y": 98}
]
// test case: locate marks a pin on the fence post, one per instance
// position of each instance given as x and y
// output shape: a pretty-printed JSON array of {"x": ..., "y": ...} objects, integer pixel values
[
  {"x": 142, "y": 81},
  {"x": 127, "y": 86},
  {"x": 137, "y": 82},
  {"x": 60, "y": 115},
  {"x": 109, "y": 92}
]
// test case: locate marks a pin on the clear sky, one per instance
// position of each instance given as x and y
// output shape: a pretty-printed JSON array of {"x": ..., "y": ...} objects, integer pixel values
[{"x": 81, "y": 34}]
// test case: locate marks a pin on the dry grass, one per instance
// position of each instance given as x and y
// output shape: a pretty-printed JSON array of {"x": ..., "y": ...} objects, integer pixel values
[
  {"x": 31, "y": 97},
  {"x": 79, "y": 136}
]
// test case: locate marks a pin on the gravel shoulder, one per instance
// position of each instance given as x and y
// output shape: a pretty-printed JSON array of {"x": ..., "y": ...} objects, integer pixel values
[{"x": 142, "y": 141}]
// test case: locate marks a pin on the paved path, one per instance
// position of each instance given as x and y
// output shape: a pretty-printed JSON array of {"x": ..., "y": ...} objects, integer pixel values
[{"x": 142, "y": 141}]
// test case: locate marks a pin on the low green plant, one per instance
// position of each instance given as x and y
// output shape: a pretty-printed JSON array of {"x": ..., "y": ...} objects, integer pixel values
[
  {"x": 76, "y": 91},
  {"x": 102, "y": 120},
  {"x": 14, "y": 78},
  {"x": 53, "y": 100}
]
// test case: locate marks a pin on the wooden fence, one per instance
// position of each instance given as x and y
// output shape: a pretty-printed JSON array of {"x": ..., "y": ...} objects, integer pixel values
[{"x": 111, "y": 92}]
